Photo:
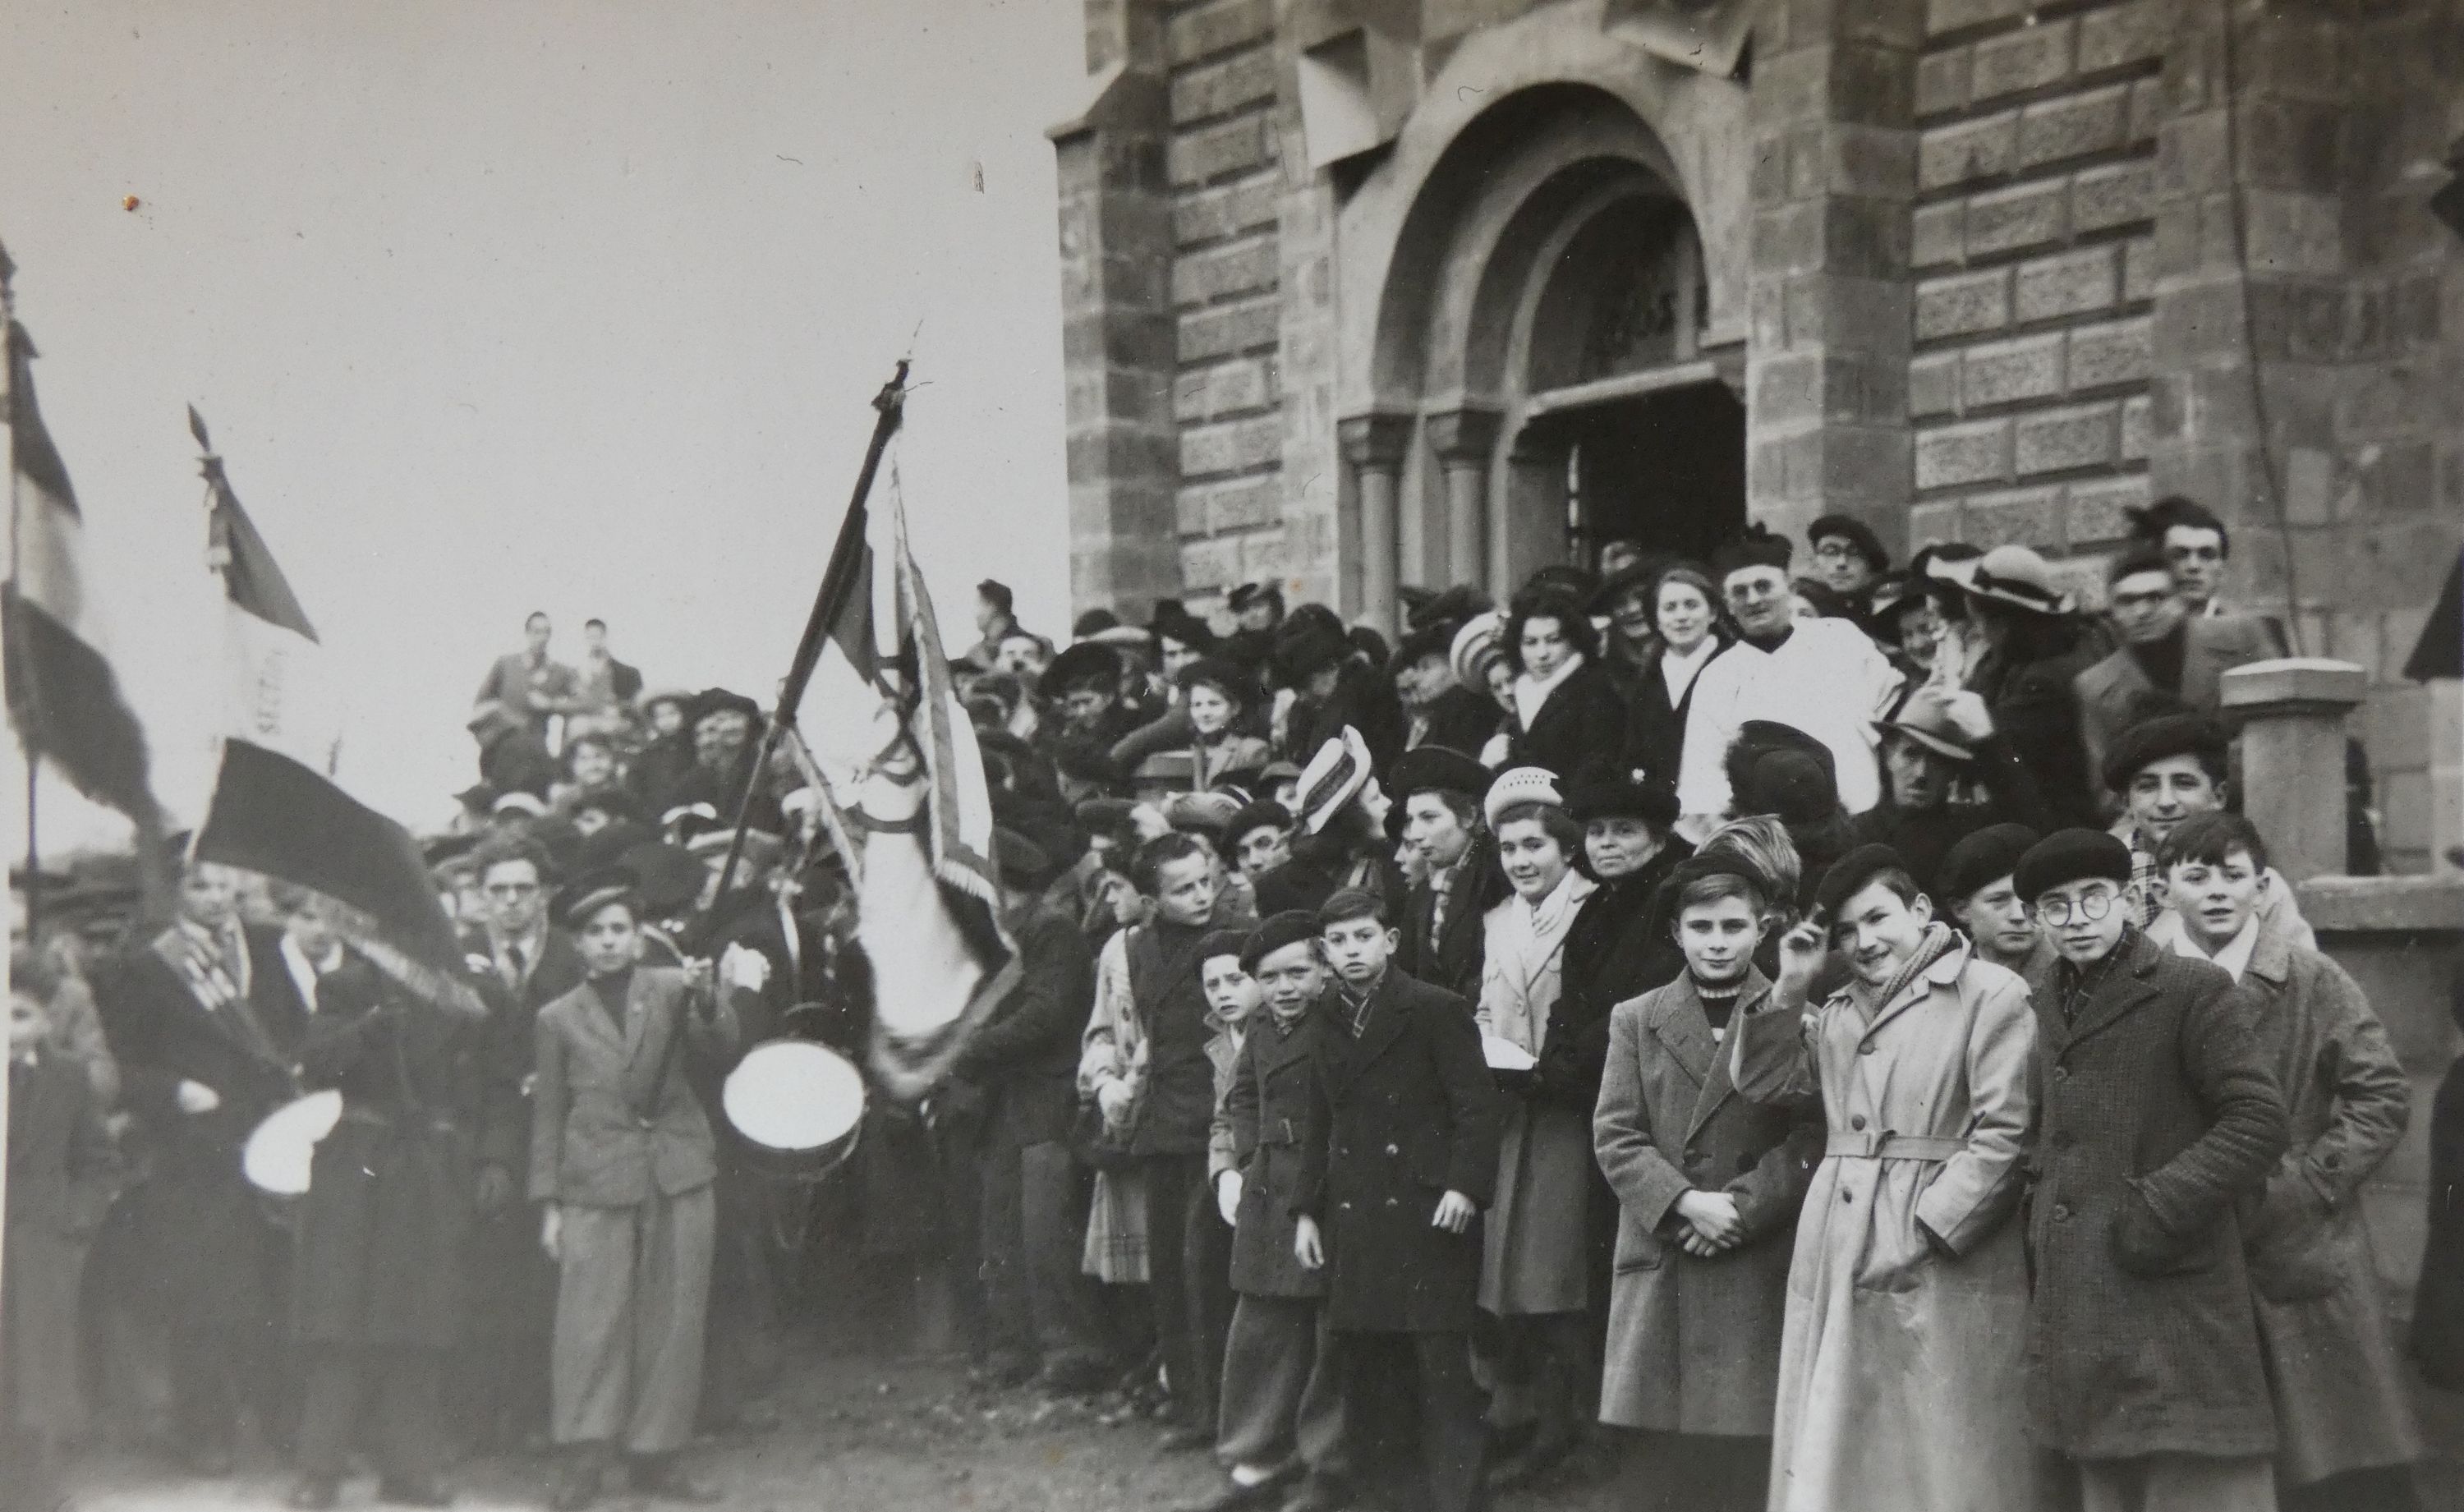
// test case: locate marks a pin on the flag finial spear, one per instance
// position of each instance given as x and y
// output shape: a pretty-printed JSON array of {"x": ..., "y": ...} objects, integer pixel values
[{"x": 218, "y": 551}]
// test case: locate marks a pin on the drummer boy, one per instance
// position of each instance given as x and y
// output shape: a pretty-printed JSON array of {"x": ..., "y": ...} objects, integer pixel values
[{"x": 622, "y": 1163}]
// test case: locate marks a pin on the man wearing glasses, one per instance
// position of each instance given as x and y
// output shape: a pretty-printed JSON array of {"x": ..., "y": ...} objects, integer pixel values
[
  {"x": 2157, "y": 1111},
  {"x": 520, "y": 965}
]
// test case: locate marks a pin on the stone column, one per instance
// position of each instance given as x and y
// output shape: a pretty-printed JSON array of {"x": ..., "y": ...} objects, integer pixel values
[
  {"x": 2293, "y": 756},
  {"x": 1529, "y": 533},
  {"x": 1372, "y": 447},
  {"x": 1463, "y": 440}
]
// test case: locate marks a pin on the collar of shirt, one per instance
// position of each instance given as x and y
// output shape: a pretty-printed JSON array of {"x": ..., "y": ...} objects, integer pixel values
[
  {"x": 2079, "y": 981},
  {"x": 1357, "y": 1004},
  {"x": 2234, "y": 957}
]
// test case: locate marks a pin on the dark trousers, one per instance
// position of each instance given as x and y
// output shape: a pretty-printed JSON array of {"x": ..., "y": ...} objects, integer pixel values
[
  {"x": 742, "y": 1354},
  {"x": 215, "y": 1372},
  {"x": 1411, "y": 1415},
  {"x": 1281, "y": 1400},
  {"x": 1170, "y": 1179},
  {"x": 499, "y": 1375},
  {"x": 406, "y": 1389},
  {"x": 1207, "y": 1243},
  {"x": 1041, "y": 1307},
  {"x": 1695, "y": 1471},
  {"x": 1551, "y": 1362}
]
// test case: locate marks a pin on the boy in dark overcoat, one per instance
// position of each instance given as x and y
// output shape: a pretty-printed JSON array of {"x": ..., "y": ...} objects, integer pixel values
[
  {"x": 1401, "y": 1157},
  {"x": 1281, "y": 1413},
  {"x": 2159, "y": 1115}
]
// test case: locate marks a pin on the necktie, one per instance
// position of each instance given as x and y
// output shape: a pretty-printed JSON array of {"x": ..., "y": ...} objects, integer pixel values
[{"x": 518, "y": 964}]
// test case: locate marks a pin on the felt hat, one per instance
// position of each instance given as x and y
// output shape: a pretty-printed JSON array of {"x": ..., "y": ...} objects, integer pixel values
[
  {"x": 1851, "y": 872},
  {"x": 1429, "y": 640},
  {"x": 1520, "y": 784},
  {"x": 681, "y": 697},
  {"x": 1307, "y": 643},
  {"x": 2013, "y": 575},
  {"x": 1292, "y": 926},
  {"x": 517, "y": 802},
  {"x": 1252, "y": 816},
  {"x": 1856, "y": 531},
  {"x": 994, "y": 591},
  {"x": 1599, "y": 789},
  {"x": 1172, "y": 618},
  {"x": 443, "y": 849},
  {"x": 585, "y": 895},
  {"x": 1249, "y": 593},
  {"x": 1892, "y": 598},
  {"x": 670, "y": 878},
  {"x": 1981, "y": 860},
  {"x": 2071, "y": 855},
  {"x": 1778, "y": 769},
  {"x": 1566, "y": 577},
  {"x": 1023, "y": 863},
  {"x": 1640, "y": 575},
  {"x": 479, "y": 795},
  {"x": 1924, "y": 716},
  {"x": 1450, "y": 608},
  {"x": 2155, "y": 740},
  {"x": 720, "y": 701},
  {"x": 1757, "y": 546},
  {"x": 1333, "y": 777},
  {"x": 1085, "y": 664},
  {"x": 1437, "y": 768},
  {"x": 1478, "y": 645}
]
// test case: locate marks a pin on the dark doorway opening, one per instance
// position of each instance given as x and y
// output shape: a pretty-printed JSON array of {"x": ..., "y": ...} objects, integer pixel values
[{"x": 1667, "y": 470}]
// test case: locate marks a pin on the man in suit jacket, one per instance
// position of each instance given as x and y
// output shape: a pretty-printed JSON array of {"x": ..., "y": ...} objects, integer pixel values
[
  {"x": 529, "y": 686},
  {"x": 205, "y": 1022},
  {"x": 2167, "y": 657},
  {"x": 1401, "y": 1157}
]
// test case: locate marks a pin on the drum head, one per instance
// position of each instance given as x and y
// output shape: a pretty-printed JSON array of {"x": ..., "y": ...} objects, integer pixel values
[
  {"x": 281, "y": 1149},
  {"x": 793, "y": 1095}
]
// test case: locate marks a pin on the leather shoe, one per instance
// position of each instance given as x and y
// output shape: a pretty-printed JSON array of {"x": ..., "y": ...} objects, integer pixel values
[
  {"x": 1181, "y": 1438},
  {"x": 1232, "y": 1495},
  {"x": 1319, "y": 1494},
  {"x": 414, "y": 1491},
  {"x": 314, "y": 1494},
  {"x": 663, "y": 1477}
]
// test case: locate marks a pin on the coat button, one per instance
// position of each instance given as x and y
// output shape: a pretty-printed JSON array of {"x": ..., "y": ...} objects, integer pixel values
[
  {"x": 2061, "y": 1073},
  {"x": 1390, "y": 1202},
  {"x": 1392, "y": 1150},
  {"x": 1345, "y": 1206},
  {"x": 1847, "y": 1196},
  {"x": 2061, "y": 1213},
  {"x": 1867, "y": 1048},
  {"x": 1857, "y": 1122}
]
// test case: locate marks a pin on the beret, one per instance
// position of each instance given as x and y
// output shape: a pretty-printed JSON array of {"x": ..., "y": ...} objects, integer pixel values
[
  {"x": 1981, "y": 860},
  {"x": 1101, "y": 814},
  {"x": 671, "y": 878},
  {"x": 1449, "y": 609},
  {"x": 1522, "y": 784},
  {"x": 2070, "y": 855},
  {"x": 1778, "y": 769},
  {"x": 1856, "y": 531},
  {"x": 1437, "y": 768},
  {"x": 1758, "y": 547},
  {"x": 1577, "y": 583},
  {"x": 585, "y": 895},
  {"x": 1291, "y": 927},
  {"x": 2155, "y": 740},
  {"x": 1091, "y": 621},
  {"x": 1222, "y": 942},
  {"x": 1307, "y": 643},
  {"x": 1599, "y": 791},
  {"x": 1429, "y": 640},
  {"x": 1264, "y": 811},
  {"x": 1694, "y": 869},
  {"x": 1086, "y": 662},
  {"x": 1204, "y": 811},
  {"x": 1849, "y": 874},
  {"x": 1023, "y": 862}
]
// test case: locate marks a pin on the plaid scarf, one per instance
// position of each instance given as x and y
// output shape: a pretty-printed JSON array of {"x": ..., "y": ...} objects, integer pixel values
[{"x": 1936, "y": 943}]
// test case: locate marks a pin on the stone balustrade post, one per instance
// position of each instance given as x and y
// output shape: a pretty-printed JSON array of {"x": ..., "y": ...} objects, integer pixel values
[{"x": 2292, "y": 716}]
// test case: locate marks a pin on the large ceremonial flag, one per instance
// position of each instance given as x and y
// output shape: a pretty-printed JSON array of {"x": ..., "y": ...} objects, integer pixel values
[
  {"x": 63, "y": 697},
  {"x": 276, "y": 691}
]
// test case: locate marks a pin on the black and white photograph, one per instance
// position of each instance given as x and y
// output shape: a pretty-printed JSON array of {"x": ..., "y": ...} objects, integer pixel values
[{"x": 1182, "y": 756}]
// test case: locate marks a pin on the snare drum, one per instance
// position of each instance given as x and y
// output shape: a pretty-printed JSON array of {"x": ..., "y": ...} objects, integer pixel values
[
  {"x": 283, "y": 1148},
  {"x": 799, "y": 1104}
]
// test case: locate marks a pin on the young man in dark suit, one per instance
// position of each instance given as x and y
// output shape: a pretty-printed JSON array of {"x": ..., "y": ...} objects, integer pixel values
[{"x": 1401, "y": 1156}]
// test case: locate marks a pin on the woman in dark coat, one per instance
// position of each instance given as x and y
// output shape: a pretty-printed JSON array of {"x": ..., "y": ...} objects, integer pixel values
[
  {"x": 1567, "y": 711},
  {"x": 1660, "y": 698},
  {"x": 2035, "y": 645}
]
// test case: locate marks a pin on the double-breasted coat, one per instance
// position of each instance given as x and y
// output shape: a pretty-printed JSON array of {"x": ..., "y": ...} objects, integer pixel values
[
  {"x": 1907, "y": 1294},
  {"x": 2341, "y": 1401},
  {"x": 1693, "y": 1344},
  {"x": 1406, "y": 1112},
  {"x": 1275, "y": 1086},
  {"x": 2159, "y": 1115},
  {"x": 214, "y": 1255},
  {"x": 385, "y": 1231}
]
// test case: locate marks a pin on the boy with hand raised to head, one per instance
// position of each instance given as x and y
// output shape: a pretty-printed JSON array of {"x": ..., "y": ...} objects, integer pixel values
[
  {"x": 1706, "y": 1184},
  {"x": 2158, "y": 1114},
  {"x": 1900, "y": 1387},
  {"x": 2342, "y": 1415},
  {"x": 1282, "y": 1417},
  {"x": 1399, "y": 1156}
]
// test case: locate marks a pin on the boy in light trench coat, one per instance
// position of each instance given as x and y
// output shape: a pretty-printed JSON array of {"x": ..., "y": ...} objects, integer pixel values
[
  {"x": 1708, "y": 1186},
  {"x": 2160, "y": 1117},
  {"x": 2344, "y": 1416},
  {"x": 1900, "y": 1376}
]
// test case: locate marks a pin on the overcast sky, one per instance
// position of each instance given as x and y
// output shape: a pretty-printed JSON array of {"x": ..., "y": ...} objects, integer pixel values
[{"x": 500, "y": 307}]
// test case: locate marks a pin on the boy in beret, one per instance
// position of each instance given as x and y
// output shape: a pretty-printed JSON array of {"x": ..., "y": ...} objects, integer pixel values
[
  {"x": 1399, "y": 1156},
  {"x": 1899, "y": 1379},
  {"x": 2342, "y": 1415},
  {"x": 1975, "y": 884},
  {"x": 2159, "y": 1117},
  {"x": 1281, "y": 1414},
  {"x": 2164, "y": 770}
]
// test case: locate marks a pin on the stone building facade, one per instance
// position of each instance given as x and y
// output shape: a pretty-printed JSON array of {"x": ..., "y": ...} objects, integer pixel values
[{"x": 1361, "y": 294}]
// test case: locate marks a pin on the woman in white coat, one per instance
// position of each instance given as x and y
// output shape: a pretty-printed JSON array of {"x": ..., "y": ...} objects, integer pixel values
[{"x": 1532, "y": 1261}]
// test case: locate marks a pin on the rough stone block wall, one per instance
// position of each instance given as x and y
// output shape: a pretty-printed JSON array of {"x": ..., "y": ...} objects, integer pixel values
[
  {"x": 1224, "y": 166},
  {"x": 2031, "y": 242}
]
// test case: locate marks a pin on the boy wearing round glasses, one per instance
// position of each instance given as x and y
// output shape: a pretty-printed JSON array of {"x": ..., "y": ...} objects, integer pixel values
[{"x": 2157, "y": 1112}]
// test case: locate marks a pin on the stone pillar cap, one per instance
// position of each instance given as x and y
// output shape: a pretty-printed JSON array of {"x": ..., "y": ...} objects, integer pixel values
[{"x": 2295, "y": 681}]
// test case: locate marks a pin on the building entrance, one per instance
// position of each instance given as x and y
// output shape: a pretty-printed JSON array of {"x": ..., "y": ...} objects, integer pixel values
[{"x": 1666, "y": 470}]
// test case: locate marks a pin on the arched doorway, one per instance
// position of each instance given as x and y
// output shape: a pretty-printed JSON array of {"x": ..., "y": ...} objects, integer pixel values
[{"x": 1544, "y": 361}]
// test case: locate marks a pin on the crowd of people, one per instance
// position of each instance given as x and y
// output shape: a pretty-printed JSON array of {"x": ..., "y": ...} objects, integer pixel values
[{"x": 1821, "y": 1041}]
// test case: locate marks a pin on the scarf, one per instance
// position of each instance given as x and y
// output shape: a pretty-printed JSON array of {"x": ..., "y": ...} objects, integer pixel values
[
  {"x": 1531, "y": 694},
  {"x": 1937, "y": 942}
]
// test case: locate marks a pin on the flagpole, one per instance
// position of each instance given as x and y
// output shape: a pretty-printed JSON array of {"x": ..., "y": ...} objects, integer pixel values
[
  {"x": 838, "y": 580},
  {"x": 9, "y": 463}
]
